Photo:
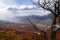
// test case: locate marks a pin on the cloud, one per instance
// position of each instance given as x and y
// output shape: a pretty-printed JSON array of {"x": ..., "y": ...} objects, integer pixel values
[
  {"x": 27, "y": 7},
  {"x": 12, "y": 8},
  {"x": 6, "y": 3},
  {"x": 24, "y": 7},
  {"x": 7, "y": 14},
  {"x": 25, "y": 10},
  {"x": 35, "y": 0}
]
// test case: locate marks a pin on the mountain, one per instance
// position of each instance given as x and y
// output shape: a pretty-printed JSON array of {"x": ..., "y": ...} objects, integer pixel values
[
  {"x": 20, "y": 19},
  {"x": 41, "y": 17},
  {"x": 26, "y": 25},
  {"x": 24, "y": 19},
  {"x": 19, "y": 27}
]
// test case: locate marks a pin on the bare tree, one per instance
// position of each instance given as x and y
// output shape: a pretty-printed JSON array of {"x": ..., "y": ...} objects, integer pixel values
[
  {"x": 53, "y": 7},
  {"x": 44, "y": 32}
]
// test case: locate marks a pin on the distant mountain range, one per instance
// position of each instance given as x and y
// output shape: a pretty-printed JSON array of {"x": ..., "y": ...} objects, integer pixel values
[
  {"x": 23, "y": 19},
  {"x": 32, "y": 17},
  {"x": 41, "y": 17}
]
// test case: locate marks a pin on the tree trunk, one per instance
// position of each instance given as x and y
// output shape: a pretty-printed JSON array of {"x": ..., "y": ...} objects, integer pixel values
[
  {"x": 44, "y": 35},
  {"x": 53, "y": 32}
]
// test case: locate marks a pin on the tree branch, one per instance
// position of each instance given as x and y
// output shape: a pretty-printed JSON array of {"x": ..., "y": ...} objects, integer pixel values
[{"x": 46, "y": 7}]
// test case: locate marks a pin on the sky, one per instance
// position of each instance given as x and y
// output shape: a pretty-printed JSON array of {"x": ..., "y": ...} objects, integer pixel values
[
  {"x": 12, "y": 8},
  {"x": 14, "y": 2}
]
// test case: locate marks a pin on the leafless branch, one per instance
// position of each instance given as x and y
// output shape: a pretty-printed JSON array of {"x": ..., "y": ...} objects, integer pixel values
[
  {"x": 46, "y": 7},
  {"x": 44, "y": 36},
  {"x": 33, "y": 24}
]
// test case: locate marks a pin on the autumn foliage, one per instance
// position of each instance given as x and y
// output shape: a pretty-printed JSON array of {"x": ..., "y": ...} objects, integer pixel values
[{"x": 12, "y": 34}]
